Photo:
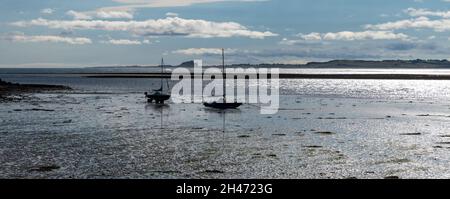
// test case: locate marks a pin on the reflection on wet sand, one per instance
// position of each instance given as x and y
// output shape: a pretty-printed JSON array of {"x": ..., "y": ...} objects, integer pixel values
[{"x": 324, "y": 129}]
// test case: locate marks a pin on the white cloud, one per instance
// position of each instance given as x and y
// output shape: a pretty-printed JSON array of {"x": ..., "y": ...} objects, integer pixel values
[
  {"x": 47, "y": 11},
  {"x": 167, "y": 26},
  {"x": 203, "y": 51},
  {"x": 424, "y": 12},
  {"x": 366, "y": 35},
  {"x": 102, "y": 14},
  {"x": 345, "y": 36},
  {"x": 122, "y": 42},
  {"x": 78, "y": 15},
  {"x": 438, "y": 25},
  {"x": 130, "y": 5},
  {"x": 20, "y": 37},
  {"x": 114, "y": 15},
  {"x": 171, "y": 14},
  {"x": 311, "y": 36}
]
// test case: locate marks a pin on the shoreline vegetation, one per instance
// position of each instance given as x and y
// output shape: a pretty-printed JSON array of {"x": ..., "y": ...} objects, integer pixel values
[{"x": 15, "y": 92}]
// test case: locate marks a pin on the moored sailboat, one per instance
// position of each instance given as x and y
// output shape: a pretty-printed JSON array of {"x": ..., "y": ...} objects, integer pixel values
[
  {"x": 158, "y": 96},
  {"x": 224, "y": 104}
]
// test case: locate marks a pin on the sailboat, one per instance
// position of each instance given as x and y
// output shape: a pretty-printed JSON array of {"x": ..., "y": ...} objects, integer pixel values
[
  {"x": 158, "y": 95},
  {"x": 224, "y": 104}
]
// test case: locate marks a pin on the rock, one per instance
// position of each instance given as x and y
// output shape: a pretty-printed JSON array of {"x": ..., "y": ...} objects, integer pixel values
[
  {"x": 445, "y": 136},
  {"x": 39, "y": 109},
  {"x": 11, "y": 89},
  {"x": 313, "y": 146},
  {"x": 411, "y": 134},
  {"x": 391, "y": 177},
  {"x": 213, "y": 171},
  {"x": 324, "y": 132},
  {"x": 332, "y": 118},
  {"x": 443, "y": 143},
  {"x": 45, "y": 168}
]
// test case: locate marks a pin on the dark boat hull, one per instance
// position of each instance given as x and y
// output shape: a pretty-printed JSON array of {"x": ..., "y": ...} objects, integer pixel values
[
  {"x": 222, "y": 105},
  {"x": 157, "y": 98}
]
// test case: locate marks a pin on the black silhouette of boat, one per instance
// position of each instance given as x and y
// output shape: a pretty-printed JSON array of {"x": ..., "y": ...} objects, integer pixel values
[
  {"x": 158, "y": 96},
  {"x": 224, "y": 104}
]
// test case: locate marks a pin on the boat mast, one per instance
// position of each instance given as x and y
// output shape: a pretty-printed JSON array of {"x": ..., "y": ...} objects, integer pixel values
[
  {"x": 223, "y": 76},
  {"x": 162, "y": 71}
]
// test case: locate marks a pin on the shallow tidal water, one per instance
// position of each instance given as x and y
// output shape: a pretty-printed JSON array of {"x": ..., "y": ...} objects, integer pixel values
[{"x": 324, "y": 129}]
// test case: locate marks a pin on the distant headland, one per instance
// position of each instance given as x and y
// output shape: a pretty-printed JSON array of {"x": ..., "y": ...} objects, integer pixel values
[{"x": 355, "y": 64}]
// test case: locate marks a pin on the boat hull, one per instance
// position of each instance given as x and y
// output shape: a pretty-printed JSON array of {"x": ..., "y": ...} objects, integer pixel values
[
  {"x": 159, "y": 99},
  {"x": 223, "y": 105}
]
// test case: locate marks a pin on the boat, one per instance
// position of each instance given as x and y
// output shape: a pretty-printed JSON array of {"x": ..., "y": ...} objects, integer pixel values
[
  {"x": 223, "y": 104},
  {"x": 158, "y": 96}
]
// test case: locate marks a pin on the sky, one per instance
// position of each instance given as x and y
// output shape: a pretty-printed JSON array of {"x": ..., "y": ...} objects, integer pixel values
[{"x": 83, "y": 33}]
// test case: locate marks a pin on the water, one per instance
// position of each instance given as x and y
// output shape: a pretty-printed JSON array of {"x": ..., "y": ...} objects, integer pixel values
[
  {"x": 324, "y": 129},
  {"x": 340, "y": 88}
]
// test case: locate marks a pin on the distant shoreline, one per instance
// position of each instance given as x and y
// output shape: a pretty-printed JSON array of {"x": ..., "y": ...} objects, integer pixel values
[
  {"x": 289, "y": 76},
  {"x": 333, "y": 64},
  {"x": 281, "y": 76}
]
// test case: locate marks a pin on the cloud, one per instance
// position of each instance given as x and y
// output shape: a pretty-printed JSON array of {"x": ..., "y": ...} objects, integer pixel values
[
  {"x": 336, "y": 52},
  {"x": 424, "y": 12},
  {"x": 438, "y": 25},
  {"x": 311, "y": 36},
  {"x": 345, "y": 36},
  {"x": 171, "y": 14},
  {"x": 122, "y": 42},
  {"x": 168, "y": 26},
  {"x": 265, "y": 55},
  {"x": 78, "y": 15},
  {"x": 400, "y": 46},
  {"x": 114, "y": 15},
  {"x": 101, "y": 14},
  {"x": 130, "y": 5},
  {"x": 204, "y": 51},
  {"x": 47, "y": 11},
  {"x": 366, "y": 35},
  {"x": 20, "y": 37}
]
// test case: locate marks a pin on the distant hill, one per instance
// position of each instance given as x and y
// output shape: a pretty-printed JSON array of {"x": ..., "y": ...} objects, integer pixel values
[
  {"x": 418, "y": 63},
  {"x": 188, "y": 64},
  {"x": 361, "y": 64},
  {"x": 413, "y": 64}
]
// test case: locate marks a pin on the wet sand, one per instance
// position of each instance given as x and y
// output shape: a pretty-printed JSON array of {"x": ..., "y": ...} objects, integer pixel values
[{"x": 121, "y": 136}]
